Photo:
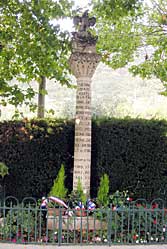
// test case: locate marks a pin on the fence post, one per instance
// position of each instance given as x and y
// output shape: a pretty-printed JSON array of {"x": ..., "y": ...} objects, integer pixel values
[
  {"x": 60, "y": 227},
  {"x": 109, "y": 227}
]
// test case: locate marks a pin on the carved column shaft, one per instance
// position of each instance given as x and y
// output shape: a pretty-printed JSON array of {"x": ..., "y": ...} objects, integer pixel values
[
  {"x": 83, "y": 66},
  {"x": 82, "y": 147}
]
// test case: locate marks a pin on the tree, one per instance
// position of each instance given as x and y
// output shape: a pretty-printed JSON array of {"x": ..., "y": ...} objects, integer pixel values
[
  {"x": 115, "y": 22},
  {"x": 134, "y": 35},
  {"x": 31, "y": 47},
  {"x": 155, "y": 43}
]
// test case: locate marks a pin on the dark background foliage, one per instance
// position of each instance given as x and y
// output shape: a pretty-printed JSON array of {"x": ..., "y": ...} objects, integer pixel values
[
  {"x": 134, "y": 155},
  {"x": 132, "y": 152}
]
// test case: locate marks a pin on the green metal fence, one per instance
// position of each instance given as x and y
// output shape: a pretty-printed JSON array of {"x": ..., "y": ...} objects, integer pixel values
[{"x": 136, "y": 223}]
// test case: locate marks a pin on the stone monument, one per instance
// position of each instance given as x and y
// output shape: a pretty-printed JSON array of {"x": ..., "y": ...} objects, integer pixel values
[{"x": 83, "y": 62}]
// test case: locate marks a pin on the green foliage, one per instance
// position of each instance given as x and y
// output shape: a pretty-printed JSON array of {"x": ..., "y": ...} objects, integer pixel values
[
  {"x": 135, "y": 32},
  {"x": 3, "y": 170},
  {"x": 132, "y": 152},
  {"x": 103, "y": 191},
  {"x": 18, "y": 219},
  {"x": 134, "y": 155},
  {"x": 117, "y": 21},
  {"x": 119, "y": 198},
  {"x": 31, "y": 47},
  {"x": 115, "y": 9},
  {"x": 77, "y": 195},
  {"x": 154, "y": 34},
  {"x": 58, "y": 189},
  {"x": 33, "y": 151},
  {"x": 80, "y": 192}
]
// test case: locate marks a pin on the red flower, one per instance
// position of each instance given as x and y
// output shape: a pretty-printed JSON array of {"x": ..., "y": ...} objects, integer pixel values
[
  {"x": 134, "y": 237},
  {"x": 154, "y": 221},
  {"x": 155, "y": 205}
]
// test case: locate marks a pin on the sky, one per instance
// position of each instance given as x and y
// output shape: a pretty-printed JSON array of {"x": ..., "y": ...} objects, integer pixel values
[
  {"x": 83, "y": 4},
  {"x": 68, "y": 24}
]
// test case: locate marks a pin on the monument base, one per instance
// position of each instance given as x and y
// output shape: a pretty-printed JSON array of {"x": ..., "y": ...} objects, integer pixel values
[{"x": 76, "y": 223}]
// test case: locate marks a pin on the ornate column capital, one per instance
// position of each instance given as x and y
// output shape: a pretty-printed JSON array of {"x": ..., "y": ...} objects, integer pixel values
[
  {"x": 84, "y": 59},
  {"x": 84, "y": 64}
]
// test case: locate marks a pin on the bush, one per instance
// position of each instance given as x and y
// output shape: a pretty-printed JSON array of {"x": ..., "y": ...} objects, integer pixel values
[
  {"x": 33, "y": 151},
  {"x": 77, "y": 196},
  {"x": 58, "y": 188},
  {"x": 19, "y": 222},
  {"x": 3, "y": 170},
  {"x": 132, "y": 152},
  {"x": 103, "y": 191}
]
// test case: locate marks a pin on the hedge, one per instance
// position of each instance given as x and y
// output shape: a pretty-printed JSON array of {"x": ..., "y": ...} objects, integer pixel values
[
  {"x": 134, "y": 155},
  {"x": 132, "y": 152},
  {"x": 34, "y": 151}
]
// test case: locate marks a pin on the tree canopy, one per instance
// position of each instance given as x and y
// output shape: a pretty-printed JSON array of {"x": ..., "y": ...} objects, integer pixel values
[
  {"x": 117, "y": 29},
  {"x": 131, "y": 33},
  {"x": 31, "y": 46},
  {"x": 155, "y": 43},
  {"x": 137, "y": 39}
]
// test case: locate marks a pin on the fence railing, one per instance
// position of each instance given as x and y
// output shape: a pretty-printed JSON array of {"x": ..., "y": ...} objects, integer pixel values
[{"x": 138, "y": 222}]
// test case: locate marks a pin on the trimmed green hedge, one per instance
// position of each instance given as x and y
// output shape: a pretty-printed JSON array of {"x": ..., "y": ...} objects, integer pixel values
[
  {"x": 132, "y": 152},
  {"x": 34, "y": 151},
  {"x": 134, "y": 155}
]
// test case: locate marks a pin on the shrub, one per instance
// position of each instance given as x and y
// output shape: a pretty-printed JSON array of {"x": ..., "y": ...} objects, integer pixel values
[
  {"x": 59, "y": 189},
  {"x": 132, "y": 152},
  {"x": 33, "y": 151},
  {"x": 18, "y": 223},
  {"x": 77, "y": 195},
  {"x": 80, "y": 192},
  {"x": 3, "y": 170},
  {"x": 103, "y": 191}
]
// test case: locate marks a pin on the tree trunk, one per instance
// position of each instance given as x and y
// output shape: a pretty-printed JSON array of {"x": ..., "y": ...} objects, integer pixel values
[{"x": 41, "y": 97}]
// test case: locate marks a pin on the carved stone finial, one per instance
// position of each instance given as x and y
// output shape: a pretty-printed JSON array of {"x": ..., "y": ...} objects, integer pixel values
[{"x": 82, "y": 23}]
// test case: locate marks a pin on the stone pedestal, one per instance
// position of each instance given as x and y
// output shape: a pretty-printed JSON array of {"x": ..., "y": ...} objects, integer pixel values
[{"x": 76, "y": 223}]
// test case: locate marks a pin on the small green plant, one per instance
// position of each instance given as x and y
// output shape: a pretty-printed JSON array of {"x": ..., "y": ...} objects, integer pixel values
[
  {"x": 80, "y": 192},
  {"x": 77, "y": 195},
  {"x": 59, "y": 189},
  {"x": 3, "y": 170},
  {"x": 119, "y": 198},
  {"x": 19, "y": 222},
  {"x": 103, "y": 191}
]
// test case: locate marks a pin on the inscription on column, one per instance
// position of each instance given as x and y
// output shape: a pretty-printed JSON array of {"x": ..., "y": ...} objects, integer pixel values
[
  {"x": 83, "y": 134},
  {"x": 83, "y": 65}
]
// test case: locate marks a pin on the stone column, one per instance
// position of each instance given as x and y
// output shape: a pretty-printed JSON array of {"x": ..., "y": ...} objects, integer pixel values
[{"x": 83, "y": 63}]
